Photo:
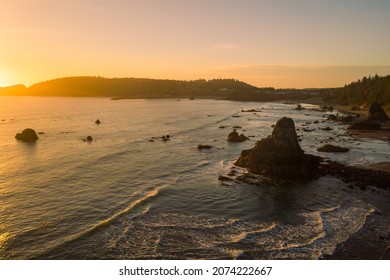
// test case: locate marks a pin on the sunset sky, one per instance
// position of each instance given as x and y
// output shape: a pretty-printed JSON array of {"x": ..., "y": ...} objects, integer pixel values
[{"x": 279, "y": 43}]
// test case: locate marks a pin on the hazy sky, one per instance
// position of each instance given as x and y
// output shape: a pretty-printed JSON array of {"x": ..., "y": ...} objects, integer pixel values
[{"x": 280, "y": 43}]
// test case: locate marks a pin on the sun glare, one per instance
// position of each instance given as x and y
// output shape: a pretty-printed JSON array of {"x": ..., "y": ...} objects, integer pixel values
[{"x": 3, "y": 79}]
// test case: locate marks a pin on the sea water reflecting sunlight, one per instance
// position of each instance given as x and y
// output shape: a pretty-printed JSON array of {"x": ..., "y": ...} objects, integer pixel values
[{"x": 123, "y": 196}]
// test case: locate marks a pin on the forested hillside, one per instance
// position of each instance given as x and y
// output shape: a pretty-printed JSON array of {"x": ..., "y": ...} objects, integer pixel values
[
  {"x": 134, "y": 88},
  {"x": 363, "y": 92}
]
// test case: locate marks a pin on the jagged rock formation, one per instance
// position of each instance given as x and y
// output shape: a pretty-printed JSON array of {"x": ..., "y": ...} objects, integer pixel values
[{"x": 280, "y": 155}]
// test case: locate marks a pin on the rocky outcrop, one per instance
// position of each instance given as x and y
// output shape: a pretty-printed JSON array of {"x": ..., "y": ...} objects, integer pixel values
[
  {"x": 332, "y": 149},
  {"x": 234, "y": 137},
  {"x": 280, "y": 155},
  {"x": 27, "y": 135},
  {"x": 376, "y": 113}
]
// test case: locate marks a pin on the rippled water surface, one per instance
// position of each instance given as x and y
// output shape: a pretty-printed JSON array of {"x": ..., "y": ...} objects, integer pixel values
[{"x": 125, "y": 197}]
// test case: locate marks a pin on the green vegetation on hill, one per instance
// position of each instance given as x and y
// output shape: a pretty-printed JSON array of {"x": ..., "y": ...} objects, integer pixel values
[
  {"x": 136, "y": 88},
  {"x": 363, "y": 92}
]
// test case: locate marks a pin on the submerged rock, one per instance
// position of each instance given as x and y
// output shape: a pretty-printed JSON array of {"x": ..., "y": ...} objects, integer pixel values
[
  {"x": 332, "y": 149},
  {"x": 27, "y": 135},
  {"x": 280, "y": 155},
  {"x": 234, "y": 137},
  {"x": 376, "y": 113}
]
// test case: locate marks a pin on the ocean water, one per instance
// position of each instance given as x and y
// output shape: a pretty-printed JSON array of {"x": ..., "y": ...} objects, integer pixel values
[{"x": 124, "y": 197}]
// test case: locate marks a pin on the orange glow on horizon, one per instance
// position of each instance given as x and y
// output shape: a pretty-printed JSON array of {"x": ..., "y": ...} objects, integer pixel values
[{"x": 188, "y": 40}]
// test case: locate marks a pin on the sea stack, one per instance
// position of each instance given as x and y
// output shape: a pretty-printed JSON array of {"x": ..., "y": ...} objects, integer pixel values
[
  {"x": 27, "y": 135},
  {"x": 280, "y": 155},
  {"x": 376, "y": 113}
]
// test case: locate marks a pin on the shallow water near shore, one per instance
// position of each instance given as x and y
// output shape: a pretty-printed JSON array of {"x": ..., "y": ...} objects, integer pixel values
[{"x": 124, "y": 197}]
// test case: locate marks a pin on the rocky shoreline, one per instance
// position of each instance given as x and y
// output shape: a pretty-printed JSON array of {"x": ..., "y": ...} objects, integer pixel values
[{"x": 278, "y": 158}]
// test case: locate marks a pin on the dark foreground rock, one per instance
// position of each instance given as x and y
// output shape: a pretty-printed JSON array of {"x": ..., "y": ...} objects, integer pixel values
[
  {"x": 376, "y": 113},
  {"x": 234, "y": 137},
  {"x": 369, "y": 243},
  {"x": 328, "y": 148},
  {"x": 280, "y": 155},
  {"x": 27, "y": 135}
]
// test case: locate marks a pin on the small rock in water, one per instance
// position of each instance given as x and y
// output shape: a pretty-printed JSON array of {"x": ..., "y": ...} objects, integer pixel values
[
  {"x": 89, "y": 138},
  {"x": 27, "y": 135},
  {"x": 98, "y": 121},
  {"x": 332, "y": 149},
  {"x": 201, "y": 147},
  {"x": 234, "y": 137}
]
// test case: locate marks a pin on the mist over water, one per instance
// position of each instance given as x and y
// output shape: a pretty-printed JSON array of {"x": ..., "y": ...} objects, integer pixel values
[{"x": 124, "y": 197}]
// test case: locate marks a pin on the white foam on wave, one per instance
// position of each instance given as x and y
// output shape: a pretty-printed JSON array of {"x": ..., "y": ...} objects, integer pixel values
[{"x": 172, "y": 235}]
